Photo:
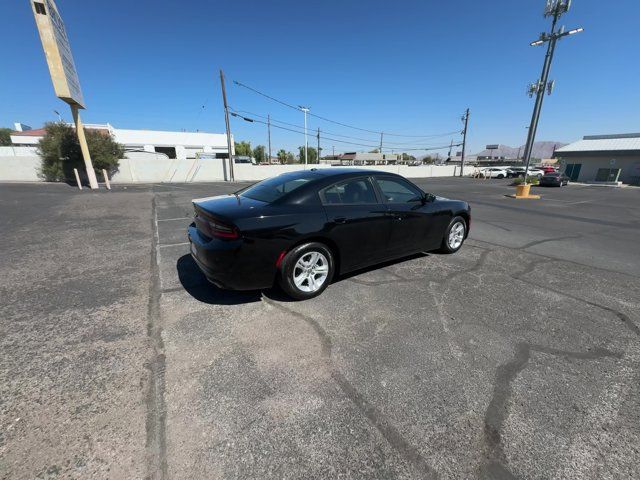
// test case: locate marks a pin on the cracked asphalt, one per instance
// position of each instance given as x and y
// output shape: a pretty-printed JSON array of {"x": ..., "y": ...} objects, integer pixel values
[{"x": 517, "y": 357}]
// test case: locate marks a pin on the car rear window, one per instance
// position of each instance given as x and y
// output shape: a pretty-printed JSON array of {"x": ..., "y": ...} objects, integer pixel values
[{"x": 272, "y": 189}]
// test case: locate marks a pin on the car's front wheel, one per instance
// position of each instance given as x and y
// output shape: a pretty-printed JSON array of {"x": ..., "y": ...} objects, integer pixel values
[
  {"x": 500, "y": 176},
  {"x": 306, "y": 271},
  {"x": 454, "y": 235}
]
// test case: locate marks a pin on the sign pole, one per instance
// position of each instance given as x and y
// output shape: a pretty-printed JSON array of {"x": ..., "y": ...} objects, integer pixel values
[{"x": 91, "y": 174}]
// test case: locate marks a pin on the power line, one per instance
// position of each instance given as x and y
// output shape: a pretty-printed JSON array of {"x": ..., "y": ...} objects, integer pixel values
[
  {"x": 399, "y": 144},
  {"x": 425, "y": 148},
  {"x": 240, "y": 84}
]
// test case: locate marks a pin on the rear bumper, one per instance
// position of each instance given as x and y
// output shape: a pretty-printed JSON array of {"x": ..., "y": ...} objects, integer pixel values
[{"x": 229, "y": 264}]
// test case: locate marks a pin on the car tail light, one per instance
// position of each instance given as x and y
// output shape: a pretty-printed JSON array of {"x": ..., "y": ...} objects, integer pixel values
[{"x": 222, "y": 230}]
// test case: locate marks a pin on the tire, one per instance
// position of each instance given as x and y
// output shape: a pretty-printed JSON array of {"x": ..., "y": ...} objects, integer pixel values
[
  {"x": 301, "y": 279},
  {"x": 449, "y": 246},
  {"x": 500, "y": 176}
]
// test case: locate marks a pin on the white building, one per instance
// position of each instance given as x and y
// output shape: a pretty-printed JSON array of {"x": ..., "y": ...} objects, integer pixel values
[
  {"x": 603, "y": 159},
  {"x": 146, "y": 143}
]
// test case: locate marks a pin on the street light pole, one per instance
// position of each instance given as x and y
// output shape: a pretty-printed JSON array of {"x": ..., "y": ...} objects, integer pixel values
[
  {"x": 306, "y": 139},
  {"x": 555, "y": 9},
  {"x": 269, "y": 132}
]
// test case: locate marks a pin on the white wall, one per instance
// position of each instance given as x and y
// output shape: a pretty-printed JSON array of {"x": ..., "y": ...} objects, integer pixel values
[
  {"x": 260, "y": 172},
  {"x": 19, "y": 168},
  {"x": 160, "y": 169},
  {"x": 18, "y": 151},
  {"x": 157, "y": 168}
]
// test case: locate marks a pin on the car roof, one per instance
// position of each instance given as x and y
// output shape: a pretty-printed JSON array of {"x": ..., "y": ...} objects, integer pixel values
[{"x": 331, "y": 171}]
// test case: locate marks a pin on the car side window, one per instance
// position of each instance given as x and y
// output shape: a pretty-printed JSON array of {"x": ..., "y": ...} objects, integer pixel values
[
  {"x": 358, "y": 191},
  {"x": 397, "y": 191}
]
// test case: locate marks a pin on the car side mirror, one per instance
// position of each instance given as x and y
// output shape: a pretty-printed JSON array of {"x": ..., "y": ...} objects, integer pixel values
[{"x": 428, "y": 198}]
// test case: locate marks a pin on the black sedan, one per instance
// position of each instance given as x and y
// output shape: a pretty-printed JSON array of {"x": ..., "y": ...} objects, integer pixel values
[
  {"x": 303, "y": 228},
  {"x": 554, "y": 179}
]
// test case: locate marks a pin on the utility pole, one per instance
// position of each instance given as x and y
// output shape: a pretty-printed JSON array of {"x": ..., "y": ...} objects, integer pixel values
[
  {"x": 226, "y": 120},
  {"x": 269, "y": 132},
  {"x": 306, "y": 136},
  {"x": 465, "y": 119},
  {"x": 318, "y": 145},
  {"x": 381, "y": 135},
  {"x": 554, "y": 9}
]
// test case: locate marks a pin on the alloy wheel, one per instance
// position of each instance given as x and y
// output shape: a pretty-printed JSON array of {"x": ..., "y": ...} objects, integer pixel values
[
  {"x": 311, "y": 271},
  {"x": 456, "y": 235}
]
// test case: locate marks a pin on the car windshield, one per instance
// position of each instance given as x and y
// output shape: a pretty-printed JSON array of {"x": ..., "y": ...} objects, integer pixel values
[{"x": 274, "y": 188}]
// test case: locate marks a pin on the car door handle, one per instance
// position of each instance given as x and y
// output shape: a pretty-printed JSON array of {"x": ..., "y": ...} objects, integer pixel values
[{"x": 340, "y": 219}]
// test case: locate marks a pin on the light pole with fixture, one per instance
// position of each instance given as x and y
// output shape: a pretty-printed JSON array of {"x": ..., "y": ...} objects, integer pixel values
[{"x": 306, "y": 140}]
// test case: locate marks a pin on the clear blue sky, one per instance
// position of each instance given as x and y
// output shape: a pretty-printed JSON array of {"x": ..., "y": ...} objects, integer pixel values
[{"x": 405, "y": 66}]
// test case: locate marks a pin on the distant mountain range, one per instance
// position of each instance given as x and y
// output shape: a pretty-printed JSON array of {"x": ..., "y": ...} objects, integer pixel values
[{"x": 540, "y": 150}]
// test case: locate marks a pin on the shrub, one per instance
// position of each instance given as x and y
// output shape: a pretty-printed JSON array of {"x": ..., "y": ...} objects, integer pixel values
[
  {"x": 5, "y": 136},
  {"x": 530, "y": 179},
  {"x": 60, "y": 152}
]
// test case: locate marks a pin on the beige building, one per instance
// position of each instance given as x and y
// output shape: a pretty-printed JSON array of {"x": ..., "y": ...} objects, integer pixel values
[{"x": 606, "y": 159}]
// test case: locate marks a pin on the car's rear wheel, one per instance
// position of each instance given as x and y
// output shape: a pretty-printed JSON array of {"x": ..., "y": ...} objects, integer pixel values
[
  {"x": 454, "y": 235},
  {"x": 500, "y": 175},
  {"x": 306, "y": 271}
]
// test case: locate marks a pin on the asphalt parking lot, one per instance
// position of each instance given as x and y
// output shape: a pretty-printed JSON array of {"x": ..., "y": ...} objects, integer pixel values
[{"x": 517, "y": 357}]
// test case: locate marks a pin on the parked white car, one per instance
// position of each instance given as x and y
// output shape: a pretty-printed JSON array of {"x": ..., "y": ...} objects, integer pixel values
[
  {"x": 535, "y": 172},
  {"x": 519, "y": 172},
  {"x": 493, "y": 172}
]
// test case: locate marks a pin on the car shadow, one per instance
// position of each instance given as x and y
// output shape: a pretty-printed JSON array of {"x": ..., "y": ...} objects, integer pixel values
[
  {"x": 378, "y": 266},
  {"x": 196, "y": 284}
]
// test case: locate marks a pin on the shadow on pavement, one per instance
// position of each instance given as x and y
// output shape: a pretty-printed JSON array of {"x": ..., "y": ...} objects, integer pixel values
[{"x": 195, "y": 283}]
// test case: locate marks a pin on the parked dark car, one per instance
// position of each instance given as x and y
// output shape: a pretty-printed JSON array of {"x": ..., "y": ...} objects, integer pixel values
[
  {"x": 304, "y": 228},
  {"x": 554, "y": 179}
]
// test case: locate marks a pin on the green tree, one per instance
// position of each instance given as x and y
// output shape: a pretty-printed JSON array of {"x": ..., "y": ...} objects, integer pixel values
[
  {"x": 282, "y": 155},
  {"x": 5, "y": 136},
  {"x": 375, "y": 150},
  {"x": 406, "y": 156},
  {"x": 243, "y": 148},
  {"x": 259, "y": 153},
  {"x": 60, "y": 152},
  {"x": 290, "y": 158},
  {"x": 429, "y": 160},
  {"x": 312, "y": 157}
]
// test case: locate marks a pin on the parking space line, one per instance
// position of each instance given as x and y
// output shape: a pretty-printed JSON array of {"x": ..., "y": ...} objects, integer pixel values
[
  {"x": 172, "y": 244},
  {"x": 173, "y": 219}
]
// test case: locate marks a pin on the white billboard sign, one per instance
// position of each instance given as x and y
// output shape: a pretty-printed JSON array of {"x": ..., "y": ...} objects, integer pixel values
[{"x": 58, "y": 52}]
